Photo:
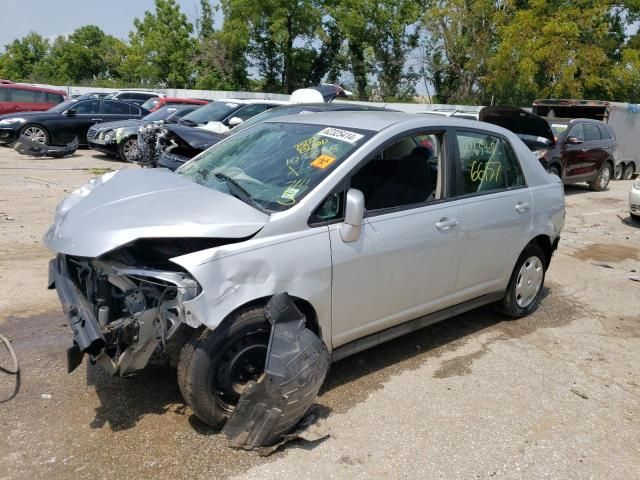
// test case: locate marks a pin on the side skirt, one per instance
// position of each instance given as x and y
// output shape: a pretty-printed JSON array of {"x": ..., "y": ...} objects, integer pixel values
[{"x": 378, "y": 338}]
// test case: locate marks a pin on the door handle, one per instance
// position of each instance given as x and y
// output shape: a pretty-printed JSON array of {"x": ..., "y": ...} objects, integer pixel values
[
  {"x": 446, "y": 223},
  {"x": 522, "y": 207},
  {"x": 96, "y": 119}
]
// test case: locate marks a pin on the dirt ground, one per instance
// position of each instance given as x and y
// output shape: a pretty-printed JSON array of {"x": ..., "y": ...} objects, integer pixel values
[{"x": 554, "y": 395}]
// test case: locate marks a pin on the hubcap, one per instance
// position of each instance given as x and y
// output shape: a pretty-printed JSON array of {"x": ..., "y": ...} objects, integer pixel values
[
  {"x": 605, "y": 175},
  {"x": 529, "y": 281},
  {"x": 242, "y": 361},
  {"x": 130, "y": 149},
  {"x": 628, "y": 172},
  {"x": 35, "y": 134}
]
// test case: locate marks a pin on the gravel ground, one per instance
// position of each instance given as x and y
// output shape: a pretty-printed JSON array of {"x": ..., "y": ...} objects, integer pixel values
[{"x": 554, "y": 395}]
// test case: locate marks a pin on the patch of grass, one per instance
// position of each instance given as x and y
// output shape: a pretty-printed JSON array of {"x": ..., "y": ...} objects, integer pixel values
[{"x": 98, "y": 170}]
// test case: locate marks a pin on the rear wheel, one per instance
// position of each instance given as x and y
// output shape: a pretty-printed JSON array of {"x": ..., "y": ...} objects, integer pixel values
[
  {"x": 617, "y": 172},
  {"x": 215, "y": 366},
  {"x": 35, "y": 133},
  {"x": 525, "y": 286},
  {"x": 628, "y": 172},
  {"x": 602, "y": 180}
]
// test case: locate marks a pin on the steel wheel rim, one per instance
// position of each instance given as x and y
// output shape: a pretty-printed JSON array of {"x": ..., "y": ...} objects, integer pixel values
[
  {"x": 35, "y": 134},
  {"x": 628, "y": 172},
  {"x": 529, "y": 281},
  {"x": 618, "y": 173},
  {"x": 605, "y": 175},
  {"x": 243, "y": 360},
  {"x": 130, "y": 149}
]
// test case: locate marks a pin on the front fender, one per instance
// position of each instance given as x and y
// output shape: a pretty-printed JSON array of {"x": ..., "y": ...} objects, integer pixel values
[{"x": 233, "y": 275}]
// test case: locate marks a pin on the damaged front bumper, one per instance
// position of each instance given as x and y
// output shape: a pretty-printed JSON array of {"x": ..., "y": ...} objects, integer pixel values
[{"x": 119, "y": 315}]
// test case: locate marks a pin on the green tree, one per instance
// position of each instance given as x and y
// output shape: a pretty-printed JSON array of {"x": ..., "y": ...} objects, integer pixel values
[
  {"x": 162, "y": 48},
  {"x": 22, "y": 56}
]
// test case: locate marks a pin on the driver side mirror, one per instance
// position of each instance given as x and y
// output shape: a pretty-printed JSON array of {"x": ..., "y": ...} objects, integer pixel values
[
  {"x": 353, "y": 216},
  {"x": 235, "y": 121},
  {"x": 573, "y": 140}
]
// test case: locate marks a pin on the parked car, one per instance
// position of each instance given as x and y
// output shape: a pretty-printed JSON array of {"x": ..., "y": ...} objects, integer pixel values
[
  {"x": 585, "y": 151},
  {"x": 372, "y": 224},
  {"x": 65, "y": 122},
  {"x": 15, "y": 97},
  {"x": 468, "y": 114},
  {"x": 120, "y": 138},
  {"x": 137, "y": 97},
  {"x": 90, "y": 95},
  {"x": 156, "y": 103},
  {"x": 634, "y": 200},
  {"x": 621, "y": 118},
  {"x": 180, "y": 143}
]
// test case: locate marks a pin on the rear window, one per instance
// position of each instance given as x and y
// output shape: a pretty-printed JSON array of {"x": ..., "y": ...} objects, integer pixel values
[
  {"x": 151, "y": 103},
  {"x": 591, "y": 132},
  {"x": 22, "y": 96}
]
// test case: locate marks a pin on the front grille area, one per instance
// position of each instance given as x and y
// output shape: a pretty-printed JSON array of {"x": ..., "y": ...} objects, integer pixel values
[{"x": 92, "y": 133}]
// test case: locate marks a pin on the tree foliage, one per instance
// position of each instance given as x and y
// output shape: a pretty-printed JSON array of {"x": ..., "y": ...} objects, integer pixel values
[{"x": 466, "y": 51}]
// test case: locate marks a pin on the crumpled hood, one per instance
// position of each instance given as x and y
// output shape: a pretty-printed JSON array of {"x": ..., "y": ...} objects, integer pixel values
[
  {"x": 126, "y": 205},
  {"x": 518, "y": 121},
  {"x": 196, "y": 138}
]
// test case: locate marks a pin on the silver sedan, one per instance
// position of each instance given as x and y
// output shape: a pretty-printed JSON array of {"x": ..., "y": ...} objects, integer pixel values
[{"x": 374, "y": 224}]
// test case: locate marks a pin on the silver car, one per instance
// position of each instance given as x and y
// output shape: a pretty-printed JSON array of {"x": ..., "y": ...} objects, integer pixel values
[
  {"x": 634, "y": 200},
  {"x": 372, "y": 224}
]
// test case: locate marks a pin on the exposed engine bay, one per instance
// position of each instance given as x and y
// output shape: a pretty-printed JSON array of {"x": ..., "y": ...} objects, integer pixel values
[{"x": 122, "y": 314}]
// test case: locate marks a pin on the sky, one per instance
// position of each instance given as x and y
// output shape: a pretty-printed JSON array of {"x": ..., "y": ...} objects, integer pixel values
[{"x": 51, "y": 18}]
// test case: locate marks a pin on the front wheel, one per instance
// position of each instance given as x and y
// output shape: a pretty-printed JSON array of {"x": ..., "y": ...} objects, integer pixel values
[
  {"x": 129, "y": 149},
  {"x": 628, "y": 172},
  {"x": 602, "y": 180},
  {"x": 215, "y": 366},
  {"x": 525, "y": 286},
  {"x": 35, "y": 133}
]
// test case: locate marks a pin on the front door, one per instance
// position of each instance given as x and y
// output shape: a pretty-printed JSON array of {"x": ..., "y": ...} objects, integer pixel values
[{"x": 404, "y": 263}]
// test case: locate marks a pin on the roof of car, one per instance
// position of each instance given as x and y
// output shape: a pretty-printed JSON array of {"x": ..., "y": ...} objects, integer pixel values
[
  {"x": 379, "y": 120},
  {"x": 195, "y": 101},
  {"x": 573, "y": 120},
  {"x": 31, "y": 87},
  {"x": 249, "y": 101}
]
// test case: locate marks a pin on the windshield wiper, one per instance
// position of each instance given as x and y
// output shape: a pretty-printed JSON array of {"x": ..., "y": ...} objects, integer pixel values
[
  {"x": 187, "y": 122},
  {"x": 236, "y": 189}
]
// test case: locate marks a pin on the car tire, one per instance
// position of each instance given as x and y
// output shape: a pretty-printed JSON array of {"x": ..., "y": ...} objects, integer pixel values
[
  {"x": 36, "y": 132},
  {"x": 525, "y": 285},
  {"x": 629, "y": 170},
  {"x": 128, "y": 149},
  {"x": 617, "y": 171},
  {"x": 554, "y": 170},
  {"x": 214, "y": 366},
  {"x": 601, "y": 182},
  {"x": 635, "y": 217}
]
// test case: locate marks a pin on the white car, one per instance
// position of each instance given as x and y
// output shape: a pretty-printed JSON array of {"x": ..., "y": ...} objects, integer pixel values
[
  {"x": 222, "y": 115},
  {"x": 634, "y": 200}
]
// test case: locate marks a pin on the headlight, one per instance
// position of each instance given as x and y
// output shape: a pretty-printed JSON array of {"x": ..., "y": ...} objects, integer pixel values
[
  {"x": 636, "y": 184},
  {"x": 109, "y": 136},
  {"x": 9, "y": 121}
]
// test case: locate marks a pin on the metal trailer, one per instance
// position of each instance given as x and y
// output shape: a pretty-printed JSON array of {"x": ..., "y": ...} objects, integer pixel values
[{"x": 623, "y": 118}]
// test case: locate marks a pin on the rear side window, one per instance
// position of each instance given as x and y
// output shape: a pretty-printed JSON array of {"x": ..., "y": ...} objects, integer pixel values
[
  {"x": 54, "y": 98},
  {"x": 591, "y": 132},
  {"x": 486, "y": 163},
  {"x": 115, "y": 108},
  {"x": 249, "y": 111},
  {"x": 23, "y": 96},
  {"x": 604, "y": 133}
]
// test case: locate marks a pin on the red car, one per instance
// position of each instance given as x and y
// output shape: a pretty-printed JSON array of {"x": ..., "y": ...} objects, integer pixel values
[
  {"x": 15, "y": 97},
  {"x": 156, "y": 103}
]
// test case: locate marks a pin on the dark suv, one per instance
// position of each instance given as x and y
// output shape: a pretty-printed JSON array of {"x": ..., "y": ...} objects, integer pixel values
[{"x": 584, "y": 151}]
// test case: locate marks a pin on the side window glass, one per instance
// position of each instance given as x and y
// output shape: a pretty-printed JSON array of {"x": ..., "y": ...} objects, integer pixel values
[
  {"x": 116, "y": 108},
  {"x": 577, "y": 132},
  {"x": 23, "y": 96},
  {"x": 249, "y": 111},
  {"x": 591, "y": 132},
  {"x": 604, "y": 133},
  {"x": 330, "y": 209},
  {"x": 89, "y": 107},
  {"x": 405, "y": 173},
  {"x": 486, "y": 163}
]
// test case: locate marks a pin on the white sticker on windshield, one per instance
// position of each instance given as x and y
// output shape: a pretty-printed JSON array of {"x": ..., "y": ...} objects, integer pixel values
[
  {"x": 342, "y": 135},
  {"x": 290, "y": 193}
]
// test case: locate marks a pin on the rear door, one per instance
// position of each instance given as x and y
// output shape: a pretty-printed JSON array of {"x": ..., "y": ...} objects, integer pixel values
[
  {"x": 22, "y": 100},
  {"x": 576, "y": 157},
  {"x": 496, "y": 207}
]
